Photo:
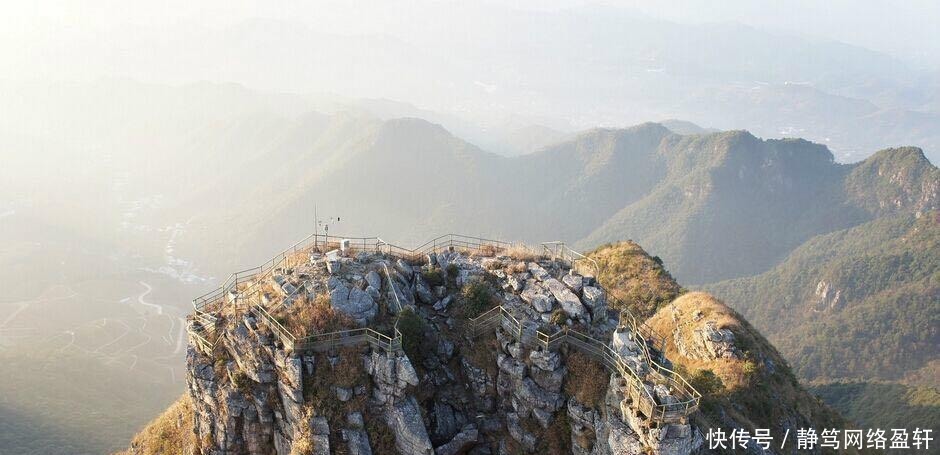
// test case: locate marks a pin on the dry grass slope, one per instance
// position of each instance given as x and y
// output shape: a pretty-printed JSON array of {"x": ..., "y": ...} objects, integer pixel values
[
  {"x": 171, "y": 433},
  {"x": 757, "y": 390},
  {"x": 587, "y": 379},
  {"x": 637, "y": 279}
]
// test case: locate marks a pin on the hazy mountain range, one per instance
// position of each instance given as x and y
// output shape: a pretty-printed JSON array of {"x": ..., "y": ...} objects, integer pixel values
[
  {"x": 715, "y": 206},
  {"x": 148, "y": 152},
  {"x": 192, "y": 183},
  {"x": 501, "y": 67}
]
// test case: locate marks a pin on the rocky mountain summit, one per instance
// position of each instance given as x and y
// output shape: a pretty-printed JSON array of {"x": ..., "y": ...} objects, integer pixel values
[
  {"x": 475, "y": 349},
  {"x": 466, "y": 347}
]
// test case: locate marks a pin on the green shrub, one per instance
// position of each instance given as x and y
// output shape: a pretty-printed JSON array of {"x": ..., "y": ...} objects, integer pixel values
[
  {"x": 412, "y": 329},
  {"x": 706, "y": 382},
  {"x": 750, "y": 369},
  {"x": 475, "y": 298},
  {"x": 434, "y": 277}
]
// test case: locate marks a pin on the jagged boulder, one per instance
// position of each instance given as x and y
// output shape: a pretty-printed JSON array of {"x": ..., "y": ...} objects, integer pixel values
[
  {"x": 445, "y": 421},
  {"x": 423, "y": 291},
  {"x": 523, "y": 437},
  {"x": 291, "y": 400},
  {"x": 622, "y": 440},
  {"x": 622, "y": 343},
  {"x": 461, "y": 441},
  {"x": 512, "y": 367},
  {"x": 594, "y": 297},
  {"x": 243, "y": 347},
  {"x": 479, "y": 381},
  {"x": 516, "y": 282},
  {"x": 406, "y": 372},
  {"x": 443, "y": 303},
  {"x": 290, "y": 367},
  {"x": 355, "y": 302},
  {"x": 538, "y": 272},
  {"x": 582, "y": 421},
  {"x": 537, "y": 296},
  {"x": 549, "y": 380},
  {"x": 574, "y": 282},
  {"x": 709, "y": 343},
  {"x": 530, "y": 393},
  {"x": 357, "y": 440},
  {"x": 405, "y": 269},
  {"x": 374, "y": 279},
  {"x": 545, "y": 360},
  {"x": 405, "y": 421},
  {"x": 319, "y": 435},
  {"x": 392, "y": 374},
  {"x": 673, "y": 439},
  {"x": 568, "y": 301}
]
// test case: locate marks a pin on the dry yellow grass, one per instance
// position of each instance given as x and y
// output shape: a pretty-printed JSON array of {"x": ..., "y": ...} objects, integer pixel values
[
  {"x": 759, "y": 390},
  {"x": 639, "y": 281},
  {"x": 522, "y": 252},
  {"x": 171, "y": 433},
  {"x": 486, "y": 251},
  {"x": 587, "y": 380},
  {"x": 310, "y": 318},
  {"x": 303, "y": 445},
  {"x": 677, "y": 319}
]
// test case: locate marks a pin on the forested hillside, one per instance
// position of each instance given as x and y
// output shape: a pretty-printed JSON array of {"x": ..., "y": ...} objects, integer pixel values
[{"x": 857, "y": 303}]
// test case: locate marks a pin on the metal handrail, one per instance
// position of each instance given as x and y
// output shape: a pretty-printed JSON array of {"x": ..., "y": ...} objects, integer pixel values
[
  {"x": 282, "y": 332},
  {"x": 641, "y": 331},
  {"x": 322, "y": 340},
  {"x": 448, "y": 240},
  {"x": 559, "y": 249},
  {"x": 401, "y": 308},
  {"x": 611, "y": 359},
  {"x": 388, "y": 277},
  {"x": 580, "y": 341},
  {"x": 374, "y": 244}
]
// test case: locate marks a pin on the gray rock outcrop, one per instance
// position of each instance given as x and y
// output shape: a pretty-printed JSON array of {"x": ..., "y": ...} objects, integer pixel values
[{"x": 355, "y": 302}]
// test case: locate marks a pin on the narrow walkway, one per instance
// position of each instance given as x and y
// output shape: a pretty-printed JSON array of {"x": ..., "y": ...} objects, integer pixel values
[{"x": 638, "y": 386}]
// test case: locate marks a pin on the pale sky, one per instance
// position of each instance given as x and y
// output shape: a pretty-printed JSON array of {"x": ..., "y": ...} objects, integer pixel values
[{"x": 906, "y": 29}]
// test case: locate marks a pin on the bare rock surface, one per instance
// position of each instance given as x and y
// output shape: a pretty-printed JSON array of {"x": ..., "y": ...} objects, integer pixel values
[{"x": 455, "y": 395}]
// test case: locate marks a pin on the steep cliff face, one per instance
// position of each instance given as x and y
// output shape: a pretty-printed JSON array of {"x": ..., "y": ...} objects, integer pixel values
[
  {"x": 744, "y": 381},
  {"x": 893, "y": 181},
  {"x": 484, "y": 354}
]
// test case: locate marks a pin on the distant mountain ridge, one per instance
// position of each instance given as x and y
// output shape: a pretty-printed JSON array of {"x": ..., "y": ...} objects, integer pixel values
[{"x": 715, "y": 206}]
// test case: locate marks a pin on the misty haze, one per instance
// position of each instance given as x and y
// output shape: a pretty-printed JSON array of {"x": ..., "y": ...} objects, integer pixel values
[{"x": 767, "y": 167}]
